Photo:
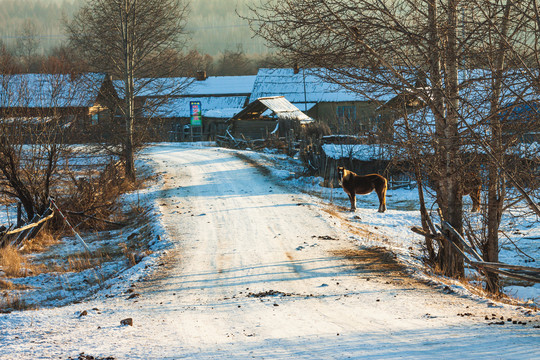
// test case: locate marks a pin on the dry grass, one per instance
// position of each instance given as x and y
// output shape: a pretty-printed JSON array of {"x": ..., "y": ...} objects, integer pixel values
[
  {"x": 14, "y": 303},
  {"x": 132, "y": 255},
  {"x": 8, "y": 285},
  {"x": 90, "y": 199},
  {"x": 83, "y": 262},
  {"x": 79, "y": 262},
  {"x": 375, "y": 261},
  {"x": 41, "y": 242},
  {"x": 13, "y": 263},
  {"x": 333, "y": 211}
]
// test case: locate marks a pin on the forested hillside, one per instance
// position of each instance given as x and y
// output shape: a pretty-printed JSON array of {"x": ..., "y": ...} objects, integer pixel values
[{"x": 214, "y": 25}]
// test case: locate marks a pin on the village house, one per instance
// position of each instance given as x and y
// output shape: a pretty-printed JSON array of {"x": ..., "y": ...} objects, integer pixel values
[
  {"x": 41, "y": 102},
  {"x": 165, "y": 105},
  {"x": 344, "y": 110}
]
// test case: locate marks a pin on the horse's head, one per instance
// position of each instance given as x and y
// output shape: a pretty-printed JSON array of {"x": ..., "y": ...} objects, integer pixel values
[{"x": 340, "y": 173}]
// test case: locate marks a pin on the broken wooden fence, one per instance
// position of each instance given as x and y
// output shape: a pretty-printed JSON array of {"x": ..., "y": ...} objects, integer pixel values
[
  {"x": 19, "y": 236},
  {"x": 474, "y": 259}
]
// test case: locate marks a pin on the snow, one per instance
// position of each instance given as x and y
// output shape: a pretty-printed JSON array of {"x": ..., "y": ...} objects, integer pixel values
[
  {"x": 222, "y": 85},
  {"x": 251, "y": 266},
  {"x": 276, "y": 106},
  {"x": 360, "y": 152},
  {"x": 403, "y": 204},
  {"x": 212, "y": 86}
]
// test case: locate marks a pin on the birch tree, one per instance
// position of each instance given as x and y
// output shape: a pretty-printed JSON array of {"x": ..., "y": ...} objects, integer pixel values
[{"x": 130, "y": 39}]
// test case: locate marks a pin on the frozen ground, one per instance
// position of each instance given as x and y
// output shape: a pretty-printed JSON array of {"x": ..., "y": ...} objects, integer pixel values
[{"x": 247, "y": 268}]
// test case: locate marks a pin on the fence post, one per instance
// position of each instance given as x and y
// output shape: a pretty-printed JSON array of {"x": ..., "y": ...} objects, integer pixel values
[
  {"x": 53, "y": 203},
  {"x": 19, "y": 214}
]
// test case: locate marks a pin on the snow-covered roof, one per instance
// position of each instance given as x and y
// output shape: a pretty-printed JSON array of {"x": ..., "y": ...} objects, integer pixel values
[
  {"x": 223, "y": 107},
  {"x": 517, "y": 100},
  {"x": 361, "y": 152},
  {"x": 306, "y": 87},
  {"x": 222, "y": 85},
  {"x": 274, "y": 106},
  {"x": 186, "y": 86},
  {"x": 50, "y": 90}
]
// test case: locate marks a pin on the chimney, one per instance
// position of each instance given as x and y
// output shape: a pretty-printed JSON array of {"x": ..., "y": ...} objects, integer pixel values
[
  {"x": 201, "y": 75},
  {"x": 296, "y": 68}
]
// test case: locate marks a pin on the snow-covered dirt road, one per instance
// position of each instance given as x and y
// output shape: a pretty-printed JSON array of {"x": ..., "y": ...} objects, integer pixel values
[{"x": 260, "y": 271}]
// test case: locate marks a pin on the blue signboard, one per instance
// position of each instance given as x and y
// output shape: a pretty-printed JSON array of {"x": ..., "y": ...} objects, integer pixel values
[{"x": 196, "y": 113}]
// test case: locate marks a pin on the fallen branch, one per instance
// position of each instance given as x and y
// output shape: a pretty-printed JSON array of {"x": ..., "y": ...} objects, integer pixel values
[
  {"x": 515, "y": 271},
  {"x": 420, "y": 231},
  {"x": 29, "y": 226},
  {"x": 508, "y": 266},
  {"x": 446, "y": 225}
]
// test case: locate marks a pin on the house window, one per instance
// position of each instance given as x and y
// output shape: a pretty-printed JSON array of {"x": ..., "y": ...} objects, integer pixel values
[
  {"x": 95, "y": 119},
  {"x": 346, "y": 112}
]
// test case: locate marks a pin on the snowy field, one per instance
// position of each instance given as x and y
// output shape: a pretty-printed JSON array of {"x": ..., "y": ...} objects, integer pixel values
[{"x": 239, "y": 265}]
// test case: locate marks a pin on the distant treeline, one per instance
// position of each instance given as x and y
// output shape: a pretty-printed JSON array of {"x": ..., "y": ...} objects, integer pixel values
[
  {"x": 213, "y": 26},
  {"x": 46, "y": 17}
]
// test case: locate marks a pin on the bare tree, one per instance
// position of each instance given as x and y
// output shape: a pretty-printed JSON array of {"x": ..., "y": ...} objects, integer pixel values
[
  {"x": 425, "y": 48},
  {"x": 235, "y": 62},
  {"x": 32, "y": 138},
  {"x": 8, "y": 63},
  {"x": 387, "y": 45},
  {"x": 504, "y": 47},
  {"x": 130, "y": 39},
  {"x": 27, "y": 43}
]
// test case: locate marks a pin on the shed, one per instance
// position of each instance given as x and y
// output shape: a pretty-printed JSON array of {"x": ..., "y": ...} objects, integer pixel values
[{"x": 268, "y": 115}]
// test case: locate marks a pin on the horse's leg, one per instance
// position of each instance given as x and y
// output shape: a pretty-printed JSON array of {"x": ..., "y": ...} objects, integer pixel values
[
  {"x": 381, "y": 193},
  {"x": 352, "y": 197},
  {"x": 475, "y": 197}
]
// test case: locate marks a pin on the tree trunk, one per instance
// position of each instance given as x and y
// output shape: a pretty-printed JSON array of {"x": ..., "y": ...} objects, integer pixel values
[
  {"x": 129, "y": 115},
  {"x": 451, "y": 262},
  {"x": 497, "y": 180}
]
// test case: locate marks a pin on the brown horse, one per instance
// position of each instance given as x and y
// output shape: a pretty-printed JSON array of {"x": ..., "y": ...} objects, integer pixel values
[
  {"x": 363, "y": 184},
  {"x": 472, "y": 185}
]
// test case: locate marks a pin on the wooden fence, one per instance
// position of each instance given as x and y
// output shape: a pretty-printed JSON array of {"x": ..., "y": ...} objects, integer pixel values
[
  {"x": 474, "y": 259},
  {"x": 20, "y": 236}
]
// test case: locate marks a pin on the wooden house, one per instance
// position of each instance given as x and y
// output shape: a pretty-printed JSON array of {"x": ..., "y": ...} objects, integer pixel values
[
  {"x": 41, "y": 102},
  {"x": 344, "y": 110},
  {"x": 164, "y": 105},
  {"x": 265, "y": 116}
]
